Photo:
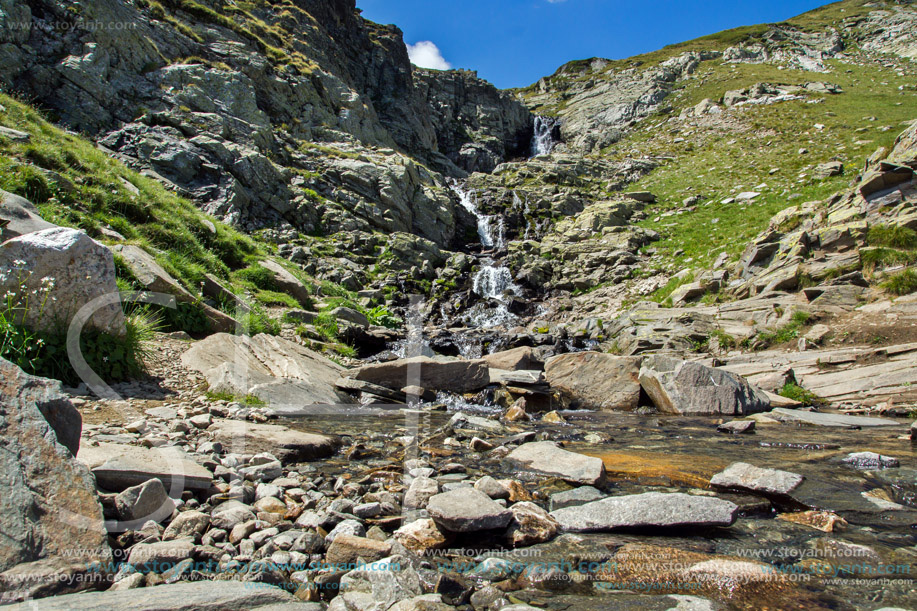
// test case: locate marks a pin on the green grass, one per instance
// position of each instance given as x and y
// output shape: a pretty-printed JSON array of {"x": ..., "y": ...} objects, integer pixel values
[
  {"x": 93, "y": 194},
  {"x": 250, "y": 400},
  {"x": 275, "y": 298},
  {"x": 798, "y": 393},
  {"x": 786, "y": 333},
  {"x": 892, "y": 236},
  {"x": 901, "y": 283}
]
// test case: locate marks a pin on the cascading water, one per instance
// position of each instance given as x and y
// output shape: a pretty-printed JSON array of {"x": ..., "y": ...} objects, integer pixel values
[
  {"x": 492, "y": 281},
  {"x": 543, "y": 138}
]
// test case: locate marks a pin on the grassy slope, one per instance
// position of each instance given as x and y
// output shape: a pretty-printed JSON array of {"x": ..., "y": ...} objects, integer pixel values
[{"x": 719, "y": 161}]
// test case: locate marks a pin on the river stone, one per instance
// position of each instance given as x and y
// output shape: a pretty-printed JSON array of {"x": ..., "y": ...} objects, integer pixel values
[
  {"x": 81, "y": 270},
  {"x": 159, "y": 556},
  {"x": 530, "y": 525},
  {"x": 517, "y": 359},
  {"x": 347, "y": 549},
  {"x": 278, "y": 371},
  {"x": 421, "y": 535},
  {"x": 467, "y": 510},
  {"x": 737, "y": 427},
  {"x": 688, "y": 388},
  {"x": 386, "y": 581},
  {"x": 572, "y": 498},
  {"x": 48, "y": 502},
  {"x": 187, "y": 524},
  {"x": 287, "y": 444},
  {"x": 749, "y": 478},
  {"x": 117, "y": 466},
  {"x": 595, "y": 380},
  {"x": 148, "y": 501},
  {"x": 64, "y": 419},
  {"x": 647, "y": 510},
  {"x": 229, "y": 514},
  {"x": 827, "y": 419},
  {"x": 464, "y": 421},
  {"x": 429, "y": 373},
  {"x": 22, "y": 217},
  {"x": 870, "y": 460},
  {"x": 183, "y": 596},
  {"x": 547, "y": 458},
  {"x": 419, "y": 492}
]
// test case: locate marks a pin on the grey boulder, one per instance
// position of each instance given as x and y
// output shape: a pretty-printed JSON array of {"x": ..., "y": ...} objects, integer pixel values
[
  {"x": 688, "y": 388},
  {"x": 749, "y": 478},
  {"x": 594, "y": 380},
  {"x": 546, "y": 458},
  {"x": 467, "y": 510},
  {"x": 647, "y": 510}
]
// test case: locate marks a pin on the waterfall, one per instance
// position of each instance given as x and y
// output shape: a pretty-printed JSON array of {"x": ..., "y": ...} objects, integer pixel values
[
  {"x": 492, "y": 281},
  {"x": 543, "y": 138}
]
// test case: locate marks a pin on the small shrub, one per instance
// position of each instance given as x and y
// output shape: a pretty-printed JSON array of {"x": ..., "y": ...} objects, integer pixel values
[
  {"x": 382, "y": 316},
  {"x": 902, "y": 283},
  {"x": 259, "y": 277}
]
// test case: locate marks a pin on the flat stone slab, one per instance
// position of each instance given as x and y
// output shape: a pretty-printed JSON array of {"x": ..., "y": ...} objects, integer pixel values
[
  {"x": 118, "y": 466},
  {"x": 823, "y": 419},
  {"x": 467, "y": 510},
  {"x": 743, "y": 476},
  {"x": 432, "y": 374},
  {"x": 287, "y": 444},
  {"x": 577, "y": 496},
  {"x": 186, "y": 596},
  {"x": 546, "y": 458},
  {"x": 647, "y": 510}
]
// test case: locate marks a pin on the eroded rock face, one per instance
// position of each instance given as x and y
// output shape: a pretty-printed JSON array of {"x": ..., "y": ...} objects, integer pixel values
[
  {"x": 683, "y": 387},
  {"x": 53, "y": 273},
  {"x": 279, "y": 371},
  {"x": 48, "y": 504}
]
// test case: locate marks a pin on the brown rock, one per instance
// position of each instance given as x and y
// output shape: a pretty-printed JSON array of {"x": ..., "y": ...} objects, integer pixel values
[
  {"x": 516, "y": 359},
  {"x": 347, "y": 549},
  {"x": 595, "y": 380}
]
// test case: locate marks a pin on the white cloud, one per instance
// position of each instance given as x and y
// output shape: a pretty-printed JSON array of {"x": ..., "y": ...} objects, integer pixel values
[{"x": 425, "y": 54}]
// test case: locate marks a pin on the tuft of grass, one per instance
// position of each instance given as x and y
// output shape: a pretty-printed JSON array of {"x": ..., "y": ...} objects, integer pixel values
[
  {"x": 274, "y": 298},
  {"x": 258, "y": 321},
  {"x": 787, "y": 333},
  {"x": 892, "y": 236},
  {"x": 798, "y": 393},
  {"x": 901, "y": 283}
]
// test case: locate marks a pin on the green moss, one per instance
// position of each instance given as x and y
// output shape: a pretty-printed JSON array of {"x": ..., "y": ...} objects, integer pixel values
[{"x": 798, "y": 393}]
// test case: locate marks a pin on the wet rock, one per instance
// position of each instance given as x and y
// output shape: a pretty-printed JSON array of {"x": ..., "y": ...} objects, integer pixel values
[
  {"x": 287, "y": 444},
  {"x": 530, "y": 524},
  {"x": 870, "y": 460},
  {"x": 419, "y": 492},
  {"x": 464, "y": 421},
  {"x": 421, "y": 535},
  {"x": 594, "y": 380},
  {"x": 148, "y": 501},
  {"x": 432, "y": 374},
  {"x": 467, "y": 510},
  {"x": 748, "y": 478},
  {"x": 572, "y": 498},
  {"x": 737, "y": 427},
  {"x": 479, "y": 445},
  {"x": 48, "y": 502},
  {"x": 381, "y": 584},
  {"x": 68, "y": 270},
  {"x": 347, "y": 549},
  {"x": 491, "y": 488},
  {"x": 186, "y": 596},
  {"x": 647, "y": 510},
  {"x": 118, "y": 466},
  {"x": 426, "y": 602},
  {"x": 824, "y": 521},
  {"x": 516, "y": 411},
  {"x": 687, "y": 388},
  {"x": 547, "y": 458},
  {"x": 828, "y": 419},
  {"x": 553, "y": 418}
]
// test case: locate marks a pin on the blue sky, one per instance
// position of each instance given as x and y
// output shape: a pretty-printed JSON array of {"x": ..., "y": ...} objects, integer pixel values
[{"x": 513, "y": 43}]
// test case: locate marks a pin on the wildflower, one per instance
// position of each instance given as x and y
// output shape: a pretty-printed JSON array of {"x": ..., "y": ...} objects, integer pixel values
[{"x": 19, "y": 263}]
